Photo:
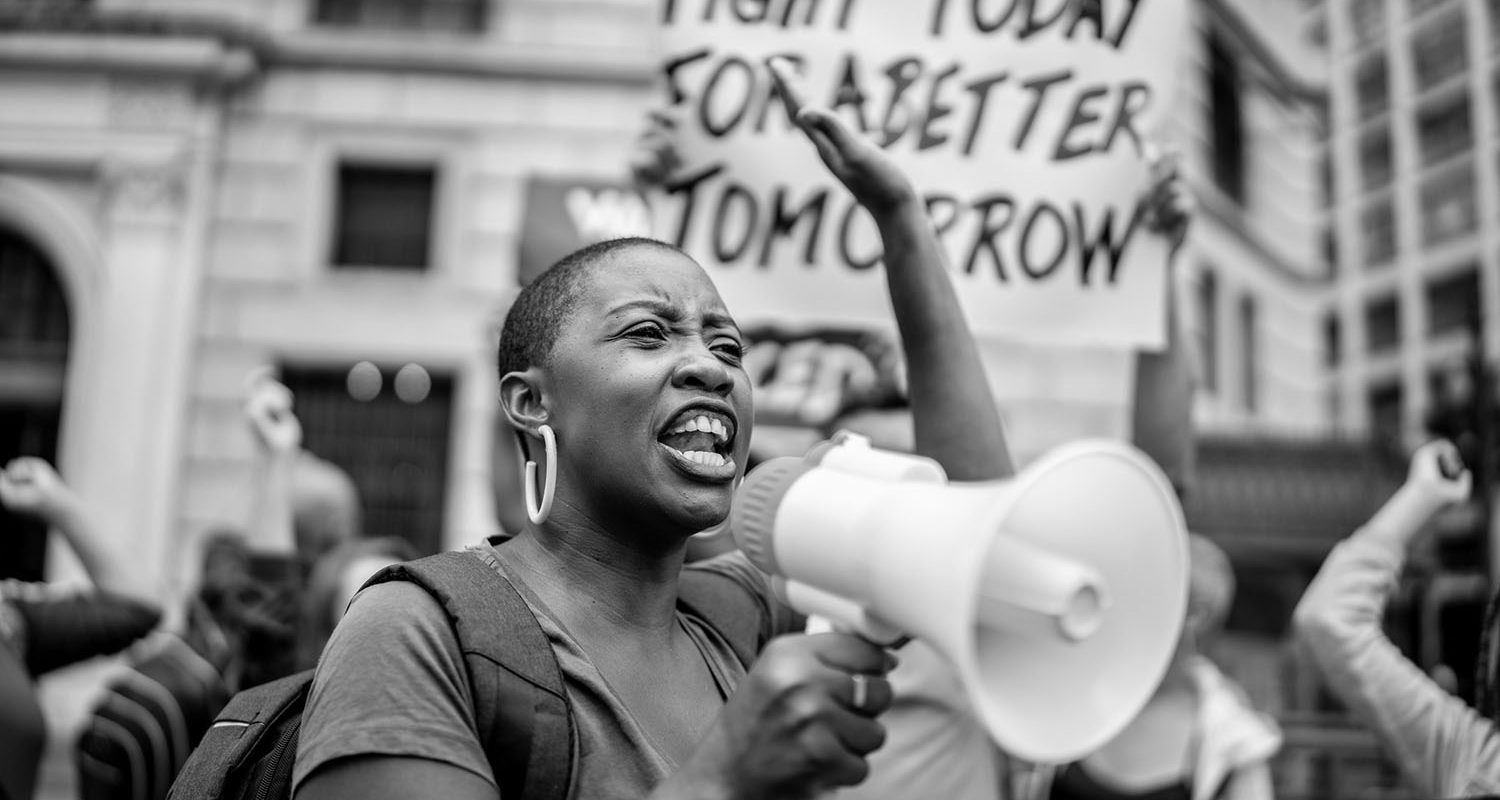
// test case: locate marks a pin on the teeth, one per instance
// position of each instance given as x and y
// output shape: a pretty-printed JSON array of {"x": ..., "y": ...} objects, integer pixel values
[
  {"x": 705, "y": 424},
  {"x": 702, "y": 457}
]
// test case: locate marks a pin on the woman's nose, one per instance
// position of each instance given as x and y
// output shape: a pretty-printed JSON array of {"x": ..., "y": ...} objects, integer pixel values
[{"x": 702, "y": 370}]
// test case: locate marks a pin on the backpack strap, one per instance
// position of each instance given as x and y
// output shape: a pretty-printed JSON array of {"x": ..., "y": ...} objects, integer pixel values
[
  {"x": 522, "y": 710},
  {"x": 727, "y": 608}
]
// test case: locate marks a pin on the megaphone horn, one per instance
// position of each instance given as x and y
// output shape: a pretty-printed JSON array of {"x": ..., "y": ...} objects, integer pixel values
[{"x": 1057, "y": 596}]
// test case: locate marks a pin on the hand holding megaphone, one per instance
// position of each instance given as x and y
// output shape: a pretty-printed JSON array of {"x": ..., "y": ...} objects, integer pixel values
[
  {"x": 1057, "y": 597},
  {"x": 800, "y": 723}
]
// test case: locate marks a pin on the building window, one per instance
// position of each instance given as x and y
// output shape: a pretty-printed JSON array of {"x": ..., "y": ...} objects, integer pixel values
[
  {"x": 1325, "y": 179},
  {"x": 1368, "y": 18},
  {"x": 1208, "y": 330},
  {"x": 1385, "y": 412},
  {"x": 35, "y": 327},
  {"x": 1375, "y": 160},
  {"x": 1444, "y": 129},
  {"x": 33, "y": 312},
  {"x": 1493, "y": 7},
  {"x": 1372, "y": 86},
  {"x": 1317, "y": 33},
  {"x": 1382, "y": 325},
  {"x": 1226, "y": 120},
  {"x": 1333, "y": 339},
  {"x": 447, "y": 16},
  {"x": 1377, "y": 228},
  {"x": 1439, "y": 50},
  {"x": 1250, "y": 347},
  {"x": 384, "y": 216},
  {"x": 1451, "y": 301},
  {"x": 1495, "y": 91},
  {"x": 1448, "y": 206},
  {"x": 389, "y": 429}
]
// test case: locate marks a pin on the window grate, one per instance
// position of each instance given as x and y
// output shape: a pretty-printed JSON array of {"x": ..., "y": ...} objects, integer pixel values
[{"x": 384, "y": 216}]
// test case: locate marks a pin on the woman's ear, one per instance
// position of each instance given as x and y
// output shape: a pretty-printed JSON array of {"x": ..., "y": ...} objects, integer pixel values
[{"x": 521, "y": 399}]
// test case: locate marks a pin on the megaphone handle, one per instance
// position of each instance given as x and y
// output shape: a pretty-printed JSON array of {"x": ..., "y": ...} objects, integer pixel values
[{"x": 832, "y": 612}]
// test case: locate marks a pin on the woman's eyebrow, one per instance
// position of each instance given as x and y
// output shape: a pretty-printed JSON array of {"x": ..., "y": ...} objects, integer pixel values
[
  {"x": 714, "y": 319},
  {"x": 674, "y": 314},
  {"x": 660, "y": 308}
]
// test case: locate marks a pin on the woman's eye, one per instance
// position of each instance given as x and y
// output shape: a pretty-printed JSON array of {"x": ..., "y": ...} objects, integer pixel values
[
  {"x": 649, "y": 331},
  {"x": 730, "y": 351}
]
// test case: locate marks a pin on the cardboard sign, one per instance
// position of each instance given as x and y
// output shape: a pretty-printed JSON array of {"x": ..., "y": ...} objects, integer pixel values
[
  {"x": 564, "y": 214},
  {"x": 1021, "y": 122}
]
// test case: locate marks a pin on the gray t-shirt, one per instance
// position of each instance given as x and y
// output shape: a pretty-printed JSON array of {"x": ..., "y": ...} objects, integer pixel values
[{"x": 392, "y": 682}]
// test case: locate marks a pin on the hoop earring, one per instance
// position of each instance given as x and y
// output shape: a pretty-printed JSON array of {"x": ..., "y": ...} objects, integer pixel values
[{"x": 537, "y": 514}]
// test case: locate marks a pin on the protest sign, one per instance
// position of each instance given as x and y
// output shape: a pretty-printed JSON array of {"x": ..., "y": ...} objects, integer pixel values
[
  {"x": 1021, "y": 122},
  {"x": 564, "y": 214}
]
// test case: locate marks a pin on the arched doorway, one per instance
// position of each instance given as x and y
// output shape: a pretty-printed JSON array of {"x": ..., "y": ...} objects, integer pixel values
[{"x": 34, "y": 336}]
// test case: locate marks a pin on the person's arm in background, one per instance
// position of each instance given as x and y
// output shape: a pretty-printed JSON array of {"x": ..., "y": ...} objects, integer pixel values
[
  {"x": 278, "y": 438},
  {"x": 276, "y": 567},
  {"x": 31, "y": 486},
  {"x": 62, "y": 628},
  {"x": 1444, "y": 747},
  {"x": 954, "y": 414},
  {"x": 1162, "y": 411}
]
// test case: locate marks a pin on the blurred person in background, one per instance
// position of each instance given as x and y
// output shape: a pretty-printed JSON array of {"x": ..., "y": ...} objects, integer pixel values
[
  {"x": 1198, "y": 738},
  {"x": 1443, "y": 747},
  {"x": 43, "y": 628},
  {"x": 266, "y": 602},
  {"x": 336, "y": 578}
]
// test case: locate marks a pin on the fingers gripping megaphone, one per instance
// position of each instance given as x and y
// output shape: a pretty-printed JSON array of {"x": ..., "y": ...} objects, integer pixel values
[{"x": 1057, "y": 596}]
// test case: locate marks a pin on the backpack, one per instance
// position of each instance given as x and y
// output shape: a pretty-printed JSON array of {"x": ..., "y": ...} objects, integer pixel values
[
  {"x": 147, "y": 721},
  {"x": 521, "y": 707}
]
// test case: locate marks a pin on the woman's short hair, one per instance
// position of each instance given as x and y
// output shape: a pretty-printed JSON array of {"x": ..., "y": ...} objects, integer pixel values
[{"x": 545, "y": 305}]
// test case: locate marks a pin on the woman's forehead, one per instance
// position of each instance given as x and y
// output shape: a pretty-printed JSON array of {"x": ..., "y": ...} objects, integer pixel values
[{"x": 651, "y": 277}]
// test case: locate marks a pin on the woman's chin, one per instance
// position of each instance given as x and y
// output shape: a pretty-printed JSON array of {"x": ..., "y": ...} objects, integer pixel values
[{"x": 701, "y": 515}]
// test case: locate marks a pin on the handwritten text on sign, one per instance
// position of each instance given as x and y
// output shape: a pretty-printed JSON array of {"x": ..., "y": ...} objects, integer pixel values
[{"x": 1020, "y": 121}]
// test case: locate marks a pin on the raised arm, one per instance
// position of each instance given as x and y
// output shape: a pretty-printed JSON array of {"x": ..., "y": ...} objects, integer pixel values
[
  {"x": 1444, "y": 748},
  {"x": 31, "y": 486},
  {"x": 1162, "y": 412},
  {"x": 278, "y": 436},
  {"x": 954, "y": 413}
]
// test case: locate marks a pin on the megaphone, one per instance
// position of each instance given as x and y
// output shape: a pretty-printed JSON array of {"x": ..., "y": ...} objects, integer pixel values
[{"x": 1057, "y": 596}]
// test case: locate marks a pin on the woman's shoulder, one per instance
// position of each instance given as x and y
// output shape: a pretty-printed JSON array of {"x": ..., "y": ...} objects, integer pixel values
[
  {"x": 392, "y": 617},
  {"x": 395, "y": 634}
]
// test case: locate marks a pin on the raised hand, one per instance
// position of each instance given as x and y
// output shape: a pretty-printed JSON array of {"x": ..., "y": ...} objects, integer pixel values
[
  {"x": 864, "y": 169},
  {"x": 655, "y": 157},
  {"x": 801, "y": 722},
  {"x": 31, "y": 486},
  {"x": 268, "y": 408},
  {"x": 1438, "y": 474},
  {"x": 1169, "y": 205}
]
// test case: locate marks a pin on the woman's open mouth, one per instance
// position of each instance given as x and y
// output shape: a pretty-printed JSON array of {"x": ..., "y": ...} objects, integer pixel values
[{"x": 702, "y": 440}]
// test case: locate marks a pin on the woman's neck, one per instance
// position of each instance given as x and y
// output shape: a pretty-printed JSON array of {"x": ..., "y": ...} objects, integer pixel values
[{"x": 591, "y": 578}]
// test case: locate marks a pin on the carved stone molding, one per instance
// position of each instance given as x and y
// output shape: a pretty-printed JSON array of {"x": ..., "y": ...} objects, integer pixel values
[
  {"x": 149, "y": 103},
  {"x": 143, "y": 190}
]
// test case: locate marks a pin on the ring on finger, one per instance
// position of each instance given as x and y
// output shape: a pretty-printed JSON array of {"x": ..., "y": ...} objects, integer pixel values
[{"x": 861, "y": 690}]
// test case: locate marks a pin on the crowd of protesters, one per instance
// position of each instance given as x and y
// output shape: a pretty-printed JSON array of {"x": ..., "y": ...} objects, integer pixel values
[{"x": 624, "y": 380}]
